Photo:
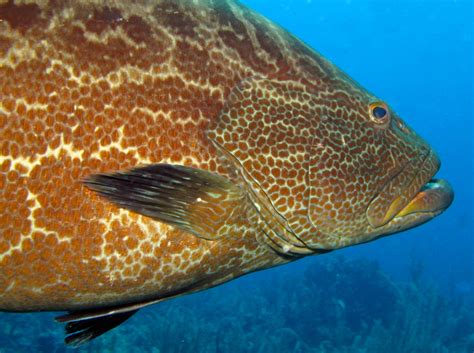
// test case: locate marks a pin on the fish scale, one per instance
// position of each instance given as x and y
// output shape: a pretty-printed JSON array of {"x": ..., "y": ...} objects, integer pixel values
[{"x": 157, "y": 148}]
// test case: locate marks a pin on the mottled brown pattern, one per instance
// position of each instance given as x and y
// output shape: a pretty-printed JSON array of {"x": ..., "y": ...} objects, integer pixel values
[{"x": 89, "y": 87}]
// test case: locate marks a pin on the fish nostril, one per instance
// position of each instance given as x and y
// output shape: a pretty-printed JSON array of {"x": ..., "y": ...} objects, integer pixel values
[{"x": 403, "y": 127}]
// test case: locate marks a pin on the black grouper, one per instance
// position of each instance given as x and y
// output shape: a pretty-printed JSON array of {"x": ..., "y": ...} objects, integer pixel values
[{"x": 151, "y": 149}]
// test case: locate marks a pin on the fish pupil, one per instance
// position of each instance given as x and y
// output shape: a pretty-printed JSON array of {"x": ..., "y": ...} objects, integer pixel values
[{"x": 379, "y": 112}]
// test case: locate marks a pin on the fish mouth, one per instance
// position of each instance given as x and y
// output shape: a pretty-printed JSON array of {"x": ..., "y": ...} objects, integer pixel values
[
  {"x": 411, "y": 197},
  {"x": 433, "y": 198}
]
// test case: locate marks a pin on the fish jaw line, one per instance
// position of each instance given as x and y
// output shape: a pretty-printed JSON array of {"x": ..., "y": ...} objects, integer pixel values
[
  {"x": 409, "y": 195},
  {"x": 433, "y": 198}
]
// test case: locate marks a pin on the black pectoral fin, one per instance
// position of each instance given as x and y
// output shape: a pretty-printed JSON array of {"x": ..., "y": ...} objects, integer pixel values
[
  {"x": 191, "y": 199},
  {"x": 83, "y": 330}
]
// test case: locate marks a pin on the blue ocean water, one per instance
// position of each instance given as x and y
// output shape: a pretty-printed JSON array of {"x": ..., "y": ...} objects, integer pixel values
[{"x": 411, "y": 292}]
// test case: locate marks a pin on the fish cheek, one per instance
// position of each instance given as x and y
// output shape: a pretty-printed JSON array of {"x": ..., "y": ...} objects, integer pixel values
[
  {"x": 346, "y": 167},
  {"x": 336, "y": 194},
  {"x": 359, "y": 175},
  {"x": 265, "y": 133}
]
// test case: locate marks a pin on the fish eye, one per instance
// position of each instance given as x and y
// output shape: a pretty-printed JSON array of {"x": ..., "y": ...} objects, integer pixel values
[{"x": 379, "y": 112}]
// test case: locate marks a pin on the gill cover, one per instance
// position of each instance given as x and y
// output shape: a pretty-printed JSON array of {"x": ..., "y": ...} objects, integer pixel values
[{"x": 266, "y": 131}]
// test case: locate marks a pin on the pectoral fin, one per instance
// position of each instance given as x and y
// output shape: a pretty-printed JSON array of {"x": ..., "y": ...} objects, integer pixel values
[{"x": 194, "y": 200}]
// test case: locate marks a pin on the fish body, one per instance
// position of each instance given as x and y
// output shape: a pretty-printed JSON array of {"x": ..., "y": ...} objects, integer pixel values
[{"x": 157, "y": 148}]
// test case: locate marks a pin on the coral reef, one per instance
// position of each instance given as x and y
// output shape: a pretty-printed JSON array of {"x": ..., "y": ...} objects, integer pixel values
[{"x": 329, "y": 304}]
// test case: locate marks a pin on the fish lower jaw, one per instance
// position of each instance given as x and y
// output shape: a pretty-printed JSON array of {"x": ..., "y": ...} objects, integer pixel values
[{"x": 434, "y": 197}]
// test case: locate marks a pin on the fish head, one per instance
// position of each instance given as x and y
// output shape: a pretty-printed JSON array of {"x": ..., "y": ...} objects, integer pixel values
[
  {"x": 370, "y": 174},
  {"x": 334, "y": 166}
]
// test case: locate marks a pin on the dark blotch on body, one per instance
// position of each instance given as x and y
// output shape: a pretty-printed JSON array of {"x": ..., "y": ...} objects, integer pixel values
[
  {"x": 20, "y": 17},
  {"x": 5, "y": 45},
  {"x": 104, "y": 18},
  {"x": 137, "y": 29},
  {"x": 175, "y": 18}
]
